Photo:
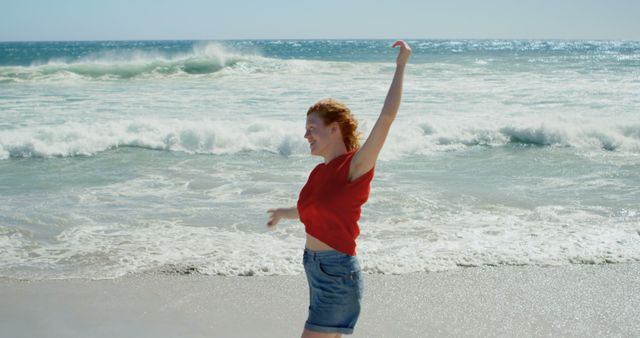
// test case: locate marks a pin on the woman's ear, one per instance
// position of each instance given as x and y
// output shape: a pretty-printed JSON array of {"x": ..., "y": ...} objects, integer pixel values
[{"x": 334, "y": 127}]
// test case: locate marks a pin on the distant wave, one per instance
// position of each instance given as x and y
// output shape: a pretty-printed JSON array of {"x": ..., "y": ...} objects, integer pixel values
[
  {"x": 611, "y": 138},
  {"x": 203, "y": 59},
  {"x": 617, "y": 138},
  {"x": 224, "y": 137}
]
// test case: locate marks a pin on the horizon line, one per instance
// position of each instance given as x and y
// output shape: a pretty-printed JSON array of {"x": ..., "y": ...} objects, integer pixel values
[{"x": 324, "y": 39}]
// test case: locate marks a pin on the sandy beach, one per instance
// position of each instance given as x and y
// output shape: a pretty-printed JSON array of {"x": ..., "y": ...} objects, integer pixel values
[{"x": 567, "y": 301}]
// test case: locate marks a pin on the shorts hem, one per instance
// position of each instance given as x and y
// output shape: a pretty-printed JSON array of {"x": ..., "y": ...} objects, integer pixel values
[{"x": 328, "y": 329}]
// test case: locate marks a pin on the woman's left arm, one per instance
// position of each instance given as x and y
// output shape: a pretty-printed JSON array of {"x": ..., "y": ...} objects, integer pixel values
[{"x": 365, "y": 158}]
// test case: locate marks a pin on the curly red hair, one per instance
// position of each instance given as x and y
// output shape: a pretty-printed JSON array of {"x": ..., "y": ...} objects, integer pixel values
[{"x": 330, "y": 111}]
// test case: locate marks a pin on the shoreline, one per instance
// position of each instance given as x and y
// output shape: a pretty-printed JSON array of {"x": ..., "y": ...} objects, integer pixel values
[{"x": 568, "y": 301}]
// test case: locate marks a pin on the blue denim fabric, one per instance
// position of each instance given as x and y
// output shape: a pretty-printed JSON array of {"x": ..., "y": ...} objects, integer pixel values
[{"x": 335, "y": 291}]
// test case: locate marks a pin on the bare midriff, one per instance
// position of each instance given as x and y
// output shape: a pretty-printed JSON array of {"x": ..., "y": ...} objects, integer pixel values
[{"x": 316, "y": 244}]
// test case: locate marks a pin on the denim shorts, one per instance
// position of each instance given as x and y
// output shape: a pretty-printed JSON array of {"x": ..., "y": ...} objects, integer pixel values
[{"x": 335, "y": 291}]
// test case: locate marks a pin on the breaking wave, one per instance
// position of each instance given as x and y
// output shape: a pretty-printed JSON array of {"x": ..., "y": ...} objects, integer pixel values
[
  {"x": 203, "y": 59},
  {"x": 225, "y": 137}
]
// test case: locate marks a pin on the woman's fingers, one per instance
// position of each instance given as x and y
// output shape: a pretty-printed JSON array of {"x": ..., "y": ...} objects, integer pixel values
[
  {"x": 403, "y": 45},
  {"x": 272, "y": 217}
]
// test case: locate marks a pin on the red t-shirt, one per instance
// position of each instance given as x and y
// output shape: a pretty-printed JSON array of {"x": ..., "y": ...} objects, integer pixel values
[{"x": 329, "y": 205}]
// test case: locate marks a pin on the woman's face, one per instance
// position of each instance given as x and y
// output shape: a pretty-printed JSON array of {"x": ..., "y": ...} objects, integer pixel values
[{"x": 318, "y": 135}]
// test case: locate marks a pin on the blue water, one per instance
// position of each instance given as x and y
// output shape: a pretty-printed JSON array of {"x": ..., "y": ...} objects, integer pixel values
[{"x": 144, "y": 156}]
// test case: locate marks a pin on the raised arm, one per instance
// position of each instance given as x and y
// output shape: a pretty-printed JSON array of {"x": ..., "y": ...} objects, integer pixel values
[{"x": 365, "y": 158}]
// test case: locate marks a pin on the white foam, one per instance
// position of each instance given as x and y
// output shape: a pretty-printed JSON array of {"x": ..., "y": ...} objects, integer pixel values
[
  {"x": 205, "y": 58},
  {"x": 285, "y": 137},
  {"x": 4, "y": 154},
  {"x": 103, "y": 251},
  {"x": 552, "y": 235},
  {"x": 418, "y": 138},
  {"x": 195, "y": 137}
]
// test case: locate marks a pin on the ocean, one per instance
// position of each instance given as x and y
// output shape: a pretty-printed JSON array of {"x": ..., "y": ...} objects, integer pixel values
[{"x": 137, "y": 157}]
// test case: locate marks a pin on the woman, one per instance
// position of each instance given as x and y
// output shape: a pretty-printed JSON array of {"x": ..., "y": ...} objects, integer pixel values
[{"x": 329, "y": 206}]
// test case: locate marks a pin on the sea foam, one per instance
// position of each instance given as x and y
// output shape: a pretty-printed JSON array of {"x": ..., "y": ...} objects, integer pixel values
[
  {"x": 195, "y": 137},
  {"x": 285, "y": 137},
  {"x": 204, "y": 58}
]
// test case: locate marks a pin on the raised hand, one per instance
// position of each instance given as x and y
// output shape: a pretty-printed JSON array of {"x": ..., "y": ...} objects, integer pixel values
[{"x": 405, "y": 52}]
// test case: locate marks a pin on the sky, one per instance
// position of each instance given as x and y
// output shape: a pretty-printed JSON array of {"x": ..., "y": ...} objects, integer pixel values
[{"x": 46, "y": 20}]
